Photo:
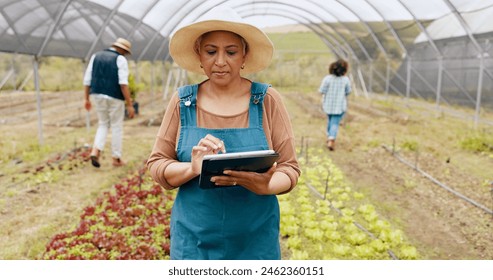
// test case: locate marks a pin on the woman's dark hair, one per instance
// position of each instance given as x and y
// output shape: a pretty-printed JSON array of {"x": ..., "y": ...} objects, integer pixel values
[
  {"x": 338, "y": 68},
  {"x": 332, "y": 66}
]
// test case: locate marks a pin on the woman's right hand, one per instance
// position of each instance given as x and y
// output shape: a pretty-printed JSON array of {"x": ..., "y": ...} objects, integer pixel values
[{"x": 207, "y": 146}]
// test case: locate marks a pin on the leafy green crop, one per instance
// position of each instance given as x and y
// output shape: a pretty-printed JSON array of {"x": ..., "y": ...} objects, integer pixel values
[
  {"x": 481, "y": 143},
  {"x": 131, "y": 223},
  {"x": 341, "y": 226}
]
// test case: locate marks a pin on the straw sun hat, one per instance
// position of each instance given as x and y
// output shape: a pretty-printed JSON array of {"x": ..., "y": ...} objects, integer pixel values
[
  {"x": 123, "y": 44},
  {"x": 260, "y": 48}
]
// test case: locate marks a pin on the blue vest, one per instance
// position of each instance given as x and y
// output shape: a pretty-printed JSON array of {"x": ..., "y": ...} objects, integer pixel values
[
  {"x": 104, "y": 78},
  {"x": 223, "y": 223}
]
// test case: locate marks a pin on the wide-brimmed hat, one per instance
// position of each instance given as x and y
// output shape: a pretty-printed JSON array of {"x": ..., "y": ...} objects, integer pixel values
[
  {"x": 182, "y": 44},
  {"x": 123, "y": 44}
]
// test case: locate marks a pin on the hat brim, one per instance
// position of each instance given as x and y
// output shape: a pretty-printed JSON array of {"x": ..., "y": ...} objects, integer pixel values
[
  {"x": 121, "y": 46},
  {"x": 181, "y": 46}
]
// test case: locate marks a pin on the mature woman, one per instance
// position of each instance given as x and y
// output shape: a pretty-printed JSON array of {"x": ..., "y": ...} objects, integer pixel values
[
  {"x": 335, "y": 88},
  {"x": 239, "y": 217}
]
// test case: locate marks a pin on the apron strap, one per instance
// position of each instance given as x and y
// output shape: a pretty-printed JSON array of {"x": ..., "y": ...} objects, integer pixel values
[
  {"x": 188, "y": 100},
  {"x": 258, "y": 91}
]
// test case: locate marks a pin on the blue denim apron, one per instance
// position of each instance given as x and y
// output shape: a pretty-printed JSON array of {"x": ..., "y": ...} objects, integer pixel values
[{"x": 225, "y": 222}]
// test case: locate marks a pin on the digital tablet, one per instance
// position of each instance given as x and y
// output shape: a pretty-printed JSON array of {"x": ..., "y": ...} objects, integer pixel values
[{"x": 256, "y": 161}]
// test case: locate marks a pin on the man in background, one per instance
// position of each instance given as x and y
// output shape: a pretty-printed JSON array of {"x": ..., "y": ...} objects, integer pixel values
[{"x": 106, "y": 82}]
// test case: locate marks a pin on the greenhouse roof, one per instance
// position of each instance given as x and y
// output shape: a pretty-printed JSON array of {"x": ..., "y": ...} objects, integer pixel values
[{"x": 77, "y": 28}]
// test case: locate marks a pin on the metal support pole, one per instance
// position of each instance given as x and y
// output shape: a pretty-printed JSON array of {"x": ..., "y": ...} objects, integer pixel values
[
  {"x": 184, "y": 75},
  {"x": 88, "y": 113},
  {"x": 14, "y": 74},
  {"x": 387, "y": 79},
  {"x": 479, "y": 90},
  {"x": 6, "y": 78},
  {"x": 168, "y": 83},
  {"x": 439, "y": 82},
  {"x": 177, "y": 74},
  {"x": 153, "y": 82},
  {"x": 362, "y": 82},
  {"x": 164, "y": 78},
  {"x": 408, "y": 78},
  {"x": 370, "y": 83},
  {"x": 38, "y": 98},
  {"x": 24, "y": 82},
  {"x": 136, "y": 71}
]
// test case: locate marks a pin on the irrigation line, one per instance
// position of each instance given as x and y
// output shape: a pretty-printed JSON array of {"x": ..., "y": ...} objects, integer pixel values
[
  {"x": 415, "y": 167},
  {"x": 358, "y": 225},
  {"x": 391, "y": 254}
]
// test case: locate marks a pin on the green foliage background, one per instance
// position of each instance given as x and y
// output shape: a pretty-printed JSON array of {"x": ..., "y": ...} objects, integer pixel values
[
  {"x": 300, "y": 61},
  {"x": 66, "y": 74}
]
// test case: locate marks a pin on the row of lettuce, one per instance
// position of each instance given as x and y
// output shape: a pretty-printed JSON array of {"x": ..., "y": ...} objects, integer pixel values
[
  {"x": 131, "y": 222},
  {"x": 321, "y": 219}
]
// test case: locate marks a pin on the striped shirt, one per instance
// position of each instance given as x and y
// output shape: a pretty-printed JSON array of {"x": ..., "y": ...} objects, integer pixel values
[{"x": 334, "y": 90}]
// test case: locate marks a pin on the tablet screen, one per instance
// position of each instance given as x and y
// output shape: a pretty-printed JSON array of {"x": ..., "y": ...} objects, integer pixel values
[{"x": 255, "y": 161}]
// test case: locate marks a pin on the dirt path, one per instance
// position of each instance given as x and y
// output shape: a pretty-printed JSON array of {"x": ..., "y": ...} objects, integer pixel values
[{"x": 439, "y": 224}]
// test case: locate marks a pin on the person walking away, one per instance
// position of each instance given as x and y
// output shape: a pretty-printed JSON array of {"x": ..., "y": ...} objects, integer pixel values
[
  {"x": 239, "y": 217},
  {"x": 106, "y": 82},
  {"x": 335, "y": 88}
]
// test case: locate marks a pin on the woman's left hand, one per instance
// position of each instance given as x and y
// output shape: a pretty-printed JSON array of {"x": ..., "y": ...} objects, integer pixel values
[{"x": 255, "y": 182}]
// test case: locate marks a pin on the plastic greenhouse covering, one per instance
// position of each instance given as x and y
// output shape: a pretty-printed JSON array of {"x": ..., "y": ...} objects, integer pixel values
[{"x": 432, "y": 49}]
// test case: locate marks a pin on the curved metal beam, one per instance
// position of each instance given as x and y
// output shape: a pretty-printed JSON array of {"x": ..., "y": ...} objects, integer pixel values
[
  {"x": 358, "y": 41},
  {"x": 60, "y": 28},
  {"x": 435, "y": 48},
  {"x": 322, "y": 20},
  {"x": 101, "y": 30},
  {"x": 328, "y": 44},
  {"x": 282, "y": 15},
  {"x": 324, "y": 39},
  {"x": 139, "y": 23},
  {"x": 87, "y": 17},
  {"x": 372, "y": 34},
  {"x": 176, "y": 21},
  {"x": 399, "y": 42},
  {"x": 481, "y": 51},
  {"x": 375, "y": 39},
  {"x": 52, "y": 28},
  {"x": 29, "y": 11},
  {"x": 422, "y": 28},
  {"x": 390, "y": 27},
  {"x": 309, "y": 21},
  {"x": 56, "y": 21},
  {"x": 481, "y": 54},
  {"x": 12, "y": 25},
  {"x": 334, "y": 49},
  {"x": 81, "y": 13},
  {"x": 365, "y": 52},
  {"x": 464, "y": 25},
  {"x": 219, "y": 3},
  {"x": 204, "y": 11}
]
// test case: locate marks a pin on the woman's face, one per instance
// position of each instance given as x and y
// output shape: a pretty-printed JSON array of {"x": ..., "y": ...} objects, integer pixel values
[{"x": 221, "y": 55}]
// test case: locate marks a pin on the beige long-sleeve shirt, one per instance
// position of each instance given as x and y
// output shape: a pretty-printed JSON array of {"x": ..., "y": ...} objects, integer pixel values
[{"x": 275, "y": 122}]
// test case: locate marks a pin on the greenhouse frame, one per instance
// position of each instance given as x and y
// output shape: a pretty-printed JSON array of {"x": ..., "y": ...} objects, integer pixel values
[{"x": 438, "y": 50}]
